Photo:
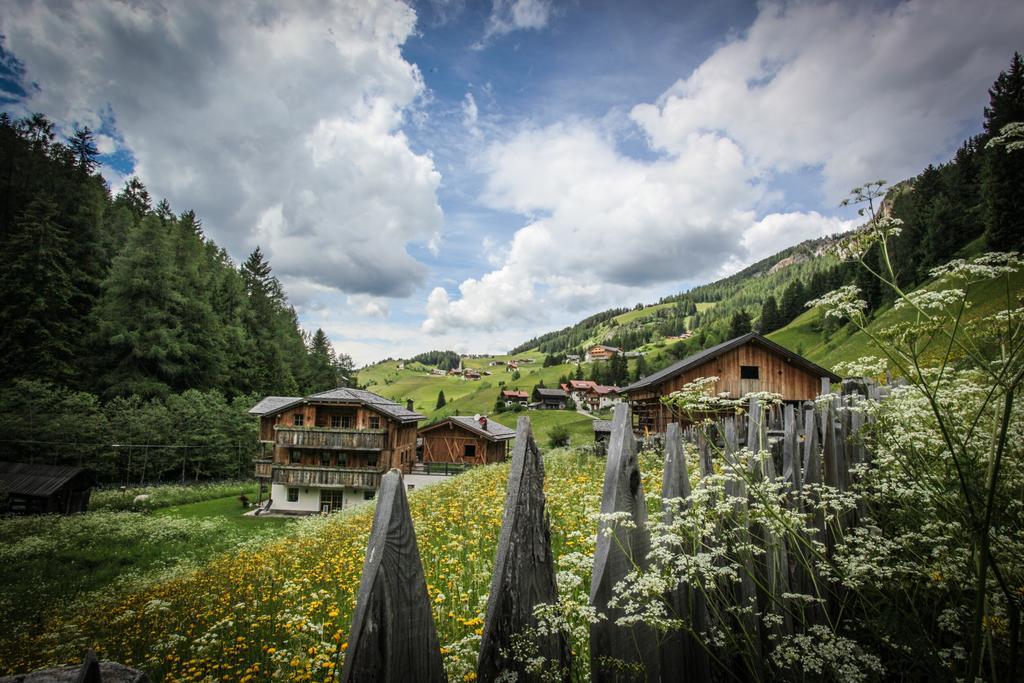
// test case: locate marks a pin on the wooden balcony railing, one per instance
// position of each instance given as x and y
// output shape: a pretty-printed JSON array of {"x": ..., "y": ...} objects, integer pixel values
[
  {"x": 338, "y": 477},
  {"x": 263, "y": 468},
  {"x": 341, "y": 439}
]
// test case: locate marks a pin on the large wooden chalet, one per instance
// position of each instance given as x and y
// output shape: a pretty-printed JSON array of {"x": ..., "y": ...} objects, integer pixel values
[
  {"x": 743, "y": 365},
  {"x": 464, "y": 441},
  {"x": 329, "y": 450}
]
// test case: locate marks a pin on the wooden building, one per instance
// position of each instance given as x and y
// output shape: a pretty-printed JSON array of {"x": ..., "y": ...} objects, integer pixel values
[
  {"x": 743, "y": 365},
  {"x": 26, "y": 488},
  {"x": 550, "y": 399},
  {"x": 329, "y": 450},
  {"x": 602, "y": 352},
  {"x": 465, "y": 441}
]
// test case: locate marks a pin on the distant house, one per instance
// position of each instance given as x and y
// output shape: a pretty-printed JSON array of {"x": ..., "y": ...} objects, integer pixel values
[
  {"x": 513, "y": 398},
  {"x": 578, "y": 388},
  {"x": 550, "y": 399},
  {"x": 633, "y": 354},
  {"x": 27, "y": 488},
  {"x": 601, "y": 396},
  {"x": 470, "y": 374},
  {"x": 464, "y": 441},
  {"x": 572, "y": 358},
  {"x": 743, "y": 365},
  {"x": 601, "y": 352},
  {"x": 525, "y": 360},
  {"x": 496, "y": 362},
  {"x": 329, "y": 450},
  {"x": 511, "y": 366}
]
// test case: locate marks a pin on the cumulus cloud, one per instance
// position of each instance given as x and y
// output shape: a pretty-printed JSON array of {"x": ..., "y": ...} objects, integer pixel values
[
  {"x": 854, "y": 91},
  {"x": 516, "y": 15},
  {"x": 279, "y": 124},
  {"x": 861, "y": 90}
]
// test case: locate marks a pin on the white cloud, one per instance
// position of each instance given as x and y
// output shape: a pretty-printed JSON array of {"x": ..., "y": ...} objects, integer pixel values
[
  {"x": 855, "y": 90},
  {"x": 470, "y": 113},
  {"x": 862, "y": 90},
  {"x": 278, "y": 124},
  {"x": 516, "y": 15}
]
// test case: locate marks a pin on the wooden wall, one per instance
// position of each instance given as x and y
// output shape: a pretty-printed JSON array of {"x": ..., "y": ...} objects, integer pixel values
[
  {"x": 448, "y": 444},
  {"x": 776, "y": 375}
]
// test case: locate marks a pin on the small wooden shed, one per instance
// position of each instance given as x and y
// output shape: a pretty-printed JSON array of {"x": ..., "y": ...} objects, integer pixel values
[
  {"x": 466, "y": 440},
  {"x": 27, "y": 488}
]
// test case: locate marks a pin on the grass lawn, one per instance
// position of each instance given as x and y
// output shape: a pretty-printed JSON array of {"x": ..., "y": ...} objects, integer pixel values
[
  {"x": 49, "y": 561},
  {"x": 581, "y": 427}
]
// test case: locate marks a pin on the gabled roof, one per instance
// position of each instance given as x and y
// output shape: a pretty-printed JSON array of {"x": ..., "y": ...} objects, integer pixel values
[
  {"x": 345, "y": 395},
  {"x": 706, "y": 355},
  {"x": 550, "y": 393},
  {"x": 601, "y": 390},
  {"x": 495, "y": 431},
  {"x": 582, "y": 384},
  {"x": 605, "y": 347},
  {"x": 27, "y": 479},
  {"x": 516, "y": 394},
  {"x": 603, "y": 426},
  {"x": 271, "y": 403}
]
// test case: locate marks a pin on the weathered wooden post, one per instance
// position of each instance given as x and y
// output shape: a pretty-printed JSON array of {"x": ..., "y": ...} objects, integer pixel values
[
  {"x": 524, "y": 573},
  {"x": 620, "y": 653},
  {"x": 682, "y": 652},
  {"x": 392, "y": 637}
]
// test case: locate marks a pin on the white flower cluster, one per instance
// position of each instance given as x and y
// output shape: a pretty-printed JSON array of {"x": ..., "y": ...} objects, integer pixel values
[
  {"x": 984, "y": 267},
  {"x": 934, "y": 300},
  {"x": 843, "y": 303}
]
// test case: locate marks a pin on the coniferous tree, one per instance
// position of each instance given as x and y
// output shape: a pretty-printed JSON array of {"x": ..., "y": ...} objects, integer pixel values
[
  {"x": 1003, "y": 174},
  {"x": 440, "y": 400},
  {"x": 640, "y": 371},
  {"x": 792, "y": 304},
  {"x": 769, "y": 315},
  {"x": 323, "y": 365},
  {"x": 740, "y": 324},
  {"x": 37, "y": 313}
]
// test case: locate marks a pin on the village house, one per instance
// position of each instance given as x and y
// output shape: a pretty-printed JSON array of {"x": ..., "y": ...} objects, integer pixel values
[
  {"x": 572, "y": 358},
  {"x": 462, "y": 441},
  {"x": 329, "y": 450},
  {"x": 577, "y": 389},
  {"x": 28, "y": 488},
  {"x": 601, "y": 352},
  {"x": 743, "y": 365},
  {"x": 601, "y": 396},
  {"x": 513, "y": 398},
  {"x": 550, "y": 399}
]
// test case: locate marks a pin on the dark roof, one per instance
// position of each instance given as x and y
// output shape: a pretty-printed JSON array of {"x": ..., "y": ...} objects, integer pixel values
[
  {"x": 28, "y": 479},
  {"x": 271, "y": 403},
  {"x": 367, "y": 398},
  {"x": 706, "y": 355},
  {"x": 603, "y": 426},
  {"x": 495, "y": 430},
  {"x": 550, "y": 393}
]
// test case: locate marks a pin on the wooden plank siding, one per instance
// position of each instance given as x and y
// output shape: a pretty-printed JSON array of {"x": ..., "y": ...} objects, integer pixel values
[
  {"x": 776, "y": 374},
  {"x": 448, "y": 444}
]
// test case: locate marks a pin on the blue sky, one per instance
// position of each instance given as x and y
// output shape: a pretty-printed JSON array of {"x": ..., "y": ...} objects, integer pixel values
[{"x": 455, "y": 174}]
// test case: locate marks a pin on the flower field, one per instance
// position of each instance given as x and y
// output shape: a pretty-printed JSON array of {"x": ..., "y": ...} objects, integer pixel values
[{"x": 280, "y": 610}]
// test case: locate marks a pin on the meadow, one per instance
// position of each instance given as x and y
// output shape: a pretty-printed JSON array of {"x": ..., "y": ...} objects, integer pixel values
[
  {"x": 75, "y": 560},
  {"x": 279, "y": 609}
]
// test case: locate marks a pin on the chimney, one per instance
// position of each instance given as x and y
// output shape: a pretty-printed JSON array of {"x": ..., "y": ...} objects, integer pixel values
[
  {"x": 483, "y": 422},
  {"x": 408, "y": 405}
]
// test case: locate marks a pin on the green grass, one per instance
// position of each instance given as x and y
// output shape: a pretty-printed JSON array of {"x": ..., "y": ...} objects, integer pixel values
[
  {"x": 581, "y": 427},
  {"x": 849, "y": 344},
  {"x": 71, "y": 557}
]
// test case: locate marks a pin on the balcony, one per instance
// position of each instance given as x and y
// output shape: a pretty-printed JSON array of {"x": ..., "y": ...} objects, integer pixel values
[
  {"x": 263, "y": 468},
  {"x": 331, "y": 477},
  {"x": 340, "y": 439}
]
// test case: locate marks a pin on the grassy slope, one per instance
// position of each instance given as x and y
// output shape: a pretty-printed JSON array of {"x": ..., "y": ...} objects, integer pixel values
[
  {"x": 848, "y": 344},
  {"x": 70, "y": 557}
]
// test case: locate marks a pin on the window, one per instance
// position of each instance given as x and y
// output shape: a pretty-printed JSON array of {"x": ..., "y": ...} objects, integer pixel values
[
  {"x": 410, "y": 487},
  {"x": 325, "y": 459},
  {"x": 293, "y": 495},
  {"x": 371, "y": 459},
  {"x": 335, "y": 421},
  {"x": 369, "y": 495},
  {"x": 749, "y": 372},
  {"x": 342, "y": 459},
  {"x": 298, "y": 419},
  {"x": 469, "y": 450},
  {"x": 374, "y": 422},
  {"x": 295, "y": 456}
]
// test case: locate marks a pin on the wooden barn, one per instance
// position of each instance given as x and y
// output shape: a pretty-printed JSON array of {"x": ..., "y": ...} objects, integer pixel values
[
  {"x": 465, "y": 440},
  {"x": 28, "y": 489},
  {"x": 743, "y": 365}
]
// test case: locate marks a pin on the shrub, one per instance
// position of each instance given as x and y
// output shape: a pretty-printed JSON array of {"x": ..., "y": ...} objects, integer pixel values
[{"x": 558, "y": 436}]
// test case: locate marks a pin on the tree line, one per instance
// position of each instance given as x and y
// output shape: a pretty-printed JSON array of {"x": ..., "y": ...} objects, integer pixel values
[{"x": 120, "y": 299}]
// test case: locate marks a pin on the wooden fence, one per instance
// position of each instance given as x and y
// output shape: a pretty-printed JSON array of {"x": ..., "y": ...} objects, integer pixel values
[{"x": 392, "y": 636}]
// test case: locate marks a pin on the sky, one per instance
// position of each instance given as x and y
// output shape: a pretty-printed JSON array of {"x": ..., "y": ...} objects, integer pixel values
[{"x": 449, "y": 174}]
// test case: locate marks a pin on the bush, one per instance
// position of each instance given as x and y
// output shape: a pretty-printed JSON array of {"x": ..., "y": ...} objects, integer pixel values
[{"x": 558, "y": 436}]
